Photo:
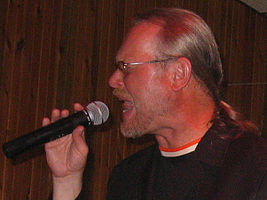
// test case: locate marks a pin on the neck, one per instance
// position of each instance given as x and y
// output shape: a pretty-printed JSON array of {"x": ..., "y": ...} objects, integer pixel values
[
  {"x": 188, "y": 123},
  {"x": 171, "y": 138}
]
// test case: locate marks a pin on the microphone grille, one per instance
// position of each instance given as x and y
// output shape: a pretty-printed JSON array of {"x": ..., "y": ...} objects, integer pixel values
[{"x": 98, "y": 112}]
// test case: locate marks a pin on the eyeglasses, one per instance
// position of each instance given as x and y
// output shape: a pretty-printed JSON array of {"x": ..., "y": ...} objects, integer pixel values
[{"x": 124, "y": 67}]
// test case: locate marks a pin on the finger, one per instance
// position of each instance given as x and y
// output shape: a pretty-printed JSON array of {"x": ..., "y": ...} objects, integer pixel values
[
  {"x": 77, "y": 107},
  {"x": 45, "y": 121},
  {"x": 55, "y": 115},
  {"x": 65, "y": 113}
]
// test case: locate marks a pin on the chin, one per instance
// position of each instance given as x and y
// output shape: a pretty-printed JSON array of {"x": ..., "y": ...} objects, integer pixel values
[
  {"x": 131, "y": 132},
  {"x": 136, "y": 127}
]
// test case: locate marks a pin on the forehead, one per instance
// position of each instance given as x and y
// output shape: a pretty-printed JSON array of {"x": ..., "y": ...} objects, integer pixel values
[{"x": 141, "y": 41}]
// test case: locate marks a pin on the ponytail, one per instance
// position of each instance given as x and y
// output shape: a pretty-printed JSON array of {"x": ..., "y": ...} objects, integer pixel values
[{"x": 226, "y": 116}]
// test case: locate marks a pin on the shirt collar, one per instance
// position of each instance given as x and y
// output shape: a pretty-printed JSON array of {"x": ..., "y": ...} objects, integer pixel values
[{"x": 180, "y": 151}]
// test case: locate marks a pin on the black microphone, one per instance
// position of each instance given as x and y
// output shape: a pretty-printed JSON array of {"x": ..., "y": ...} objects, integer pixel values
[{"x": 95, "y": 113}]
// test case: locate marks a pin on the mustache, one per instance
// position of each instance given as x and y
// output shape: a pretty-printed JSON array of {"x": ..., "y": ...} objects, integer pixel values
[{"x": 121, "y": 94}]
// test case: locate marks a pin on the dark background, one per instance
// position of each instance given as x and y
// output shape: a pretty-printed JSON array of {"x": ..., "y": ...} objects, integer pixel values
[{"x": 56, "y": 52}]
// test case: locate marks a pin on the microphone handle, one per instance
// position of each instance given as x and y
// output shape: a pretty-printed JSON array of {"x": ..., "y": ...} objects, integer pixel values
[{"x": 46, "y": 134}]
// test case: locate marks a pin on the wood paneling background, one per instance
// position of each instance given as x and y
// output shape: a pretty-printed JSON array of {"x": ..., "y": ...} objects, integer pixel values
[{"x": 56, "y": 52}]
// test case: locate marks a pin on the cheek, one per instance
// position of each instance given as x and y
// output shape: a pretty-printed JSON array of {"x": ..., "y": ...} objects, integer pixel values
[
  {"x": 144, "y": 86},
  {"x": 137, "y": 84}
]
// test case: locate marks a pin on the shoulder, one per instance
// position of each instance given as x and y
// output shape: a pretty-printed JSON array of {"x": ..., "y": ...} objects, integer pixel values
[
  {"x": 243, "y": 173},
  {"x": 246, "y": 156},
  {"x": 248, "y": 146}
]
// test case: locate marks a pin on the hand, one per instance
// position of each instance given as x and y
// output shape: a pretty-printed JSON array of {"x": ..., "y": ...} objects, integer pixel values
[{"x": 66, "y": 157}]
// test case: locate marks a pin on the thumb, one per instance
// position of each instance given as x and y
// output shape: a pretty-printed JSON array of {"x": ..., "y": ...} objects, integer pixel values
[{"x": 79, "y": 140}]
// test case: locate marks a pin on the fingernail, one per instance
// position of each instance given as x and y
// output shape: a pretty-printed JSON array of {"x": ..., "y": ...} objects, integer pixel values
[{"x": 81, "y": 128}]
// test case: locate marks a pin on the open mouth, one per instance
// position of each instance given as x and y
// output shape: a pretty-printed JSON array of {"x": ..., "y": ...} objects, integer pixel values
[
  {"x": 127, "y": 103},
  {"x": 127, "y": 106}
]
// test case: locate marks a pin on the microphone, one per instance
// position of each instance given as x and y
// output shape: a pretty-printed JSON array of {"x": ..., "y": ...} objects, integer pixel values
[{"x": 95, "y": 113}]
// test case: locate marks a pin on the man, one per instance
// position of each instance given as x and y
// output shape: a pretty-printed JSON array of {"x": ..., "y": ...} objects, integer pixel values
[{"x": 169, "y": 72}]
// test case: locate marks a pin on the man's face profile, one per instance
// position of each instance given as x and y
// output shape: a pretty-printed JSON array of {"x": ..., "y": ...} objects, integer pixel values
[{"x": 141, "y": 90}]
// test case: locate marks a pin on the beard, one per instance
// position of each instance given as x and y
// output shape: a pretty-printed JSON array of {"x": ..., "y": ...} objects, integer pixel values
[
  {"x": 146, "y": 117},
  {"x": 137, "y": 127}
]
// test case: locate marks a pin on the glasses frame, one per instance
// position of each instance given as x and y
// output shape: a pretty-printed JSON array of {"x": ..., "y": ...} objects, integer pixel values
[{"x": 124, "y": 67}]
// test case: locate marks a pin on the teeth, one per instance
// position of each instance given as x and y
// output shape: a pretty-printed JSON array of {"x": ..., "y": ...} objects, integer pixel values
[
  {"x": 126, "y": 106},
  {"x": 125, "y": 109}
]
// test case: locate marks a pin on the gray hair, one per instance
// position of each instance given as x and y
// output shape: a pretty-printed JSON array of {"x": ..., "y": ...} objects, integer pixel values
[{"x": 183, "y": 33}]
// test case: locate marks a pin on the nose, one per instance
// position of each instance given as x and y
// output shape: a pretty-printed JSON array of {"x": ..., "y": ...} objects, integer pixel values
[{"x": 116, "y": 79}]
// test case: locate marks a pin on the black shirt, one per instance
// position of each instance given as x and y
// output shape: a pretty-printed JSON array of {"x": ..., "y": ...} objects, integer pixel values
[{"x": 222, "y": 167}]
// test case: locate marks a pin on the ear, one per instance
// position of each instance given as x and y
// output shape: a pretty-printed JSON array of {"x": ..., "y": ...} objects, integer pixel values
[{"x": 180, "y": 73}]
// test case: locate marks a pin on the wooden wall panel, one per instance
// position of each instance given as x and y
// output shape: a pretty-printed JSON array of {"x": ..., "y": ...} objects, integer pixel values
[{"x": 57, "y": 52}]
